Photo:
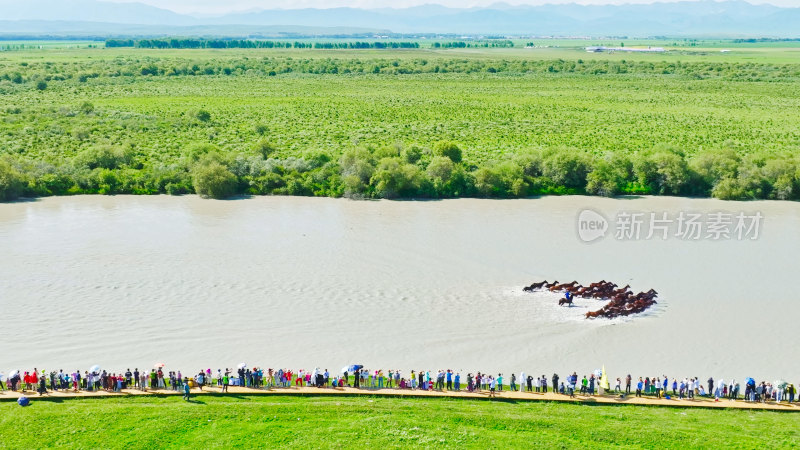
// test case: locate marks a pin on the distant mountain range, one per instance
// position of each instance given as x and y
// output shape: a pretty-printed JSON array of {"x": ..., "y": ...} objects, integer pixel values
[{"x": 685, "y": 18}]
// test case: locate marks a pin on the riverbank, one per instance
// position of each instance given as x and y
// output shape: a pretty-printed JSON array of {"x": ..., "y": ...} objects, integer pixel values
[
  {"x": 320, "y": 421},
  {"x": 506, "y": 395}
]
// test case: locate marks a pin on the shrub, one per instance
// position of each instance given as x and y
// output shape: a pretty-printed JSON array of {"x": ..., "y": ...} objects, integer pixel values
[
  {"x": 440, "y": 169},
  {"x": 87, "y": 108},
  {"x": 354, "y": 187},
  {"x": 11, "y": 182},
  {"x": 716, "y": 165},
  {"x": 386, "y": 151},
  {"x": 412, "y": 154},
  {"x": 213, "y": 181},
  {"x": 104, "y": 157},
  {"x": 487, "y": 182},
  {"x": 394, "y": 178},
  {"x": 195, "y": 152},
  {"x": 728, "y": 189},
  {"x": 531, "y": 163},
  {"x": 266, "y": 183},
  {"x": 357, "y": 163},
  {"x": 264, "y": 148},
  {"x": 261, "y": 129},
  {"x": 202, "y": 115},
  {"x": 605, "y": 179},
  {"x": 448, "y": 149},
  {"x": 107, "y": 181},
  {"x": 663, "y": 172},
  {"x": 566, "y": 167},
  {"x": 783, "y": 174},
  {"x": 81, "y": 133},
  {"x": 512, "y": 181}
]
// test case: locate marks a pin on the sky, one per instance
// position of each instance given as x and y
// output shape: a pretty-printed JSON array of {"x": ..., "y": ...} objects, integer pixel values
[{"x": 225, "y": 6}]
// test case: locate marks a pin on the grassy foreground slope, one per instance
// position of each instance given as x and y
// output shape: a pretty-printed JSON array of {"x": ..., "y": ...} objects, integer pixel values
[{"x": 393, "y": 422}]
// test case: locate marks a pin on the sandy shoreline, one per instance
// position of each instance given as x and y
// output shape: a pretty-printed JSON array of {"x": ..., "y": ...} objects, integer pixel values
[{"x": 484, "y": 395}]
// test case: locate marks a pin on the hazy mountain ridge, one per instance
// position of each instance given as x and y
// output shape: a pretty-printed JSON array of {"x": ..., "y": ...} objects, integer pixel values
[
  {"x": 90, "y": 11},
  {"x": 705, "y": 17},
  {"x": 22, "y": 29}
]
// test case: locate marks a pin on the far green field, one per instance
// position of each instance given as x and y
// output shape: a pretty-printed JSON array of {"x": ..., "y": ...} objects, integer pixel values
[
  {"x": 787, "y": 51},
  {"x": 380, "y": 422},
  {"x": 684, "y": 50}
]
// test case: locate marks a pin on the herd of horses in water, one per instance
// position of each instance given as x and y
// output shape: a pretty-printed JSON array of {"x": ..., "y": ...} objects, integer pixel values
[{"x": 623, "y": 301}]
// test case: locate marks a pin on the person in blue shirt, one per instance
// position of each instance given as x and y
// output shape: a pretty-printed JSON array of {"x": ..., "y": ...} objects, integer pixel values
[
  {"x": 639, "y": 386},
  {"x": 458, "y": 381},
  {"x": 573, "y": 380},
  {"x": 567, "y": 299},
  {"x": 186, "y": 389},
  {"x": 449, "y": 377}
]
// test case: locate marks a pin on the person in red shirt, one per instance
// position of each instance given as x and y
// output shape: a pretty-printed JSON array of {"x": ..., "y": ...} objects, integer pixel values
[{"x": 26, "y": 379}]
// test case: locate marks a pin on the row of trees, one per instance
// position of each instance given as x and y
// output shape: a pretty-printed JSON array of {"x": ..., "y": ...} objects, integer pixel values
[
  {"x": 755, "y": 40},
  {"x": 184, "y": 43},
  {"x": 406, "y": 172},
  {"x": 362, "y": 45},
  {"x": 188, "y": 43},
  {"x": 494, "y": 43}
]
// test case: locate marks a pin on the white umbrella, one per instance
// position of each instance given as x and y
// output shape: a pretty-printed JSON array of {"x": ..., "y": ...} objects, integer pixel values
[
  {"x": 781, "y": 384},
  {"x": 94, "y": 369},
  {"x": 2, "y": 376},
  {"x": 345, "y": 369},
  {"x": 241, "y": 366},
  {"x": 13, "y": 373},
  {"x": 159, "y": 365}
]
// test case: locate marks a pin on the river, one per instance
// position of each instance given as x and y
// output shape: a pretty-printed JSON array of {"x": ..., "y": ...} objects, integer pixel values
[{"x": 295, "y": 282}]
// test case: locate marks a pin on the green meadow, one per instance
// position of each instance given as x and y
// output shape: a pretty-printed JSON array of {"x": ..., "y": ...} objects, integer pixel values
[{"x": 389, "y": 123}]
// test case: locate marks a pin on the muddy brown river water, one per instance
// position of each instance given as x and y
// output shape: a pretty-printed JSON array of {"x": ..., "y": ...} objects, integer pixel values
[{"x": 302, "y": 282}]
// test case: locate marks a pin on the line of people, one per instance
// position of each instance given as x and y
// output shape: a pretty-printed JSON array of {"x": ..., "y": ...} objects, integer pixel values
[{"x": 441, "y": 380}]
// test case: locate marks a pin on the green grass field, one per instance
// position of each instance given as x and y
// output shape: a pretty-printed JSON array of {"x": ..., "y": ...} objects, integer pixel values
[
  {"x": 573, "y": 100},
  {"x": 305, "y": 422},
  {"x": 148, "y": 110},
  {"x": 490, "y": 116}
]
